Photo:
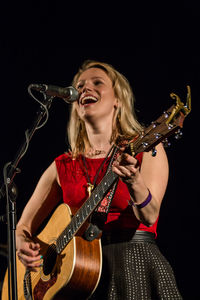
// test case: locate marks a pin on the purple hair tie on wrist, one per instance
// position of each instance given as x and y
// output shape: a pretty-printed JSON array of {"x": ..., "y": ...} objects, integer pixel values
[{"x": 143, "y": 204}]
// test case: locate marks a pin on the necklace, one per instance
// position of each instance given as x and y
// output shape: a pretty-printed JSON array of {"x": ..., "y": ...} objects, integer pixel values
[
  {"x": 90, "y": 186},
  {"x": 95, "y": 152}
]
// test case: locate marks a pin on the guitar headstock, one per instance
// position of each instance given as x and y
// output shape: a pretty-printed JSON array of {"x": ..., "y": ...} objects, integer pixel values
[{"x": 167, "y": 124}]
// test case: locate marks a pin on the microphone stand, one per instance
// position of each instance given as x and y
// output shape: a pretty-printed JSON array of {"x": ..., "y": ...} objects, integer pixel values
[{"x": 9, "y": 190}]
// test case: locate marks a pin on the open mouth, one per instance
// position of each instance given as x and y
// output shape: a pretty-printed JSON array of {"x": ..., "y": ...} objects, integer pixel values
[{"x": 88, "y": 100}]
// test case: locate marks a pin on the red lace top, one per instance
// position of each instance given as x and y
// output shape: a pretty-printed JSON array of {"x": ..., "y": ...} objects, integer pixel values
[{"x": 73, "y": 180}]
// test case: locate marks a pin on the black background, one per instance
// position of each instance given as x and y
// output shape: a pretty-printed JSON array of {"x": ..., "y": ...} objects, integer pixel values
[{"x": 156, "y": 48}]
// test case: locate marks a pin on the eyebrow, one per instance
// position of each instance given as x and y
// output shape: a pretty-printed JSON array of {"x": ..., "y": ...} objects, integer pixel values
[{"x": 95, "y": 77}]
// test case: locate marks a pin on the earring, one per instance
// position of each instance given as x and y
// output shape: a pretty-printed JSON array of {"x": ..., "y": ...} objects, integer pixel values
[{"x": 119, "y": 116}]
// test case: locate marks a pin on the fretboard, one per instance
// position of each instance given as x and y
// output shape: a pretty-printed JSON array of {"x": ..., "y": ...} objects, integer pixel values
[{"x": 86, "y": 209}]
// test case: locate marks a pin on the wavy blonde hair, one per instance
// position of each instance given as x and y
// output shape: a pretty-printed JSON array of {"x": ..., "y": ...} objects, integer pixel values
[{"x": 125, "y": 123}]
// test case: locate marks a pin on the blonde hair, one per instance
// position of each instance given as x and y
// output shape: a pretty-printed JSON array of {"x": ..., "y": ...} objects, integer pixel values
[{"x": 125, "y": 123}]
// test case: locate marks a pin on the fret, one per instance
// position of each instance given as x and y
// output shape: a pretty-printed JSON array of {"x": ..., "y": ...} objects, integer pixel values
[
  {"x": 92, "y": 201},
  {"x": 111, "y": 177},
  {"x": 67, "y": 232},
  {"x": 87, "y": 208},
  {"x": 82, "y": 217},
  {"x": 96, "y": 198},
  {"x": 78, "y": 220},
  {"x": 99, "y": 190},
  {"x": 63, "y": 239},
  {"x": 74, "y": 224},
  {"x": 62, "y": 243},
  {"x": 90, "y": 206},
  {"x": 70, "y": 231},
  {"x": 58, "y": 244}
]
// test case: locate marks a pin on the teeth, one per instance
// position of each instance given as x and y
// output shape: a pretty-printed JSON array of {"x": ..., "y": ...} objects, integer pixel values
[{"x": 84, "y": 100}]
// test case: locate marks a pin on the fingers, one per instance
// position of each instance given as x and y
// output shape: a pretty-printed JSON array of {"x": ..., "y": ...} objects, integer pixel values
[
  {"x": 30, "y": 249},
  {"x": 126, "y": 167},
  {"x": 30, "y": 256},
  {"x": 127, "y": 159},
  {"x": 30, "y": 262}
]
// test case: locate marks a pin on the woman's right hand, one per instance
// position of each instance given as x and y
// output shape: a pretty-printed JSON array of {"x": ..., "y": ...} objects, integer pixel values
[{"x": 28, "y": 253}]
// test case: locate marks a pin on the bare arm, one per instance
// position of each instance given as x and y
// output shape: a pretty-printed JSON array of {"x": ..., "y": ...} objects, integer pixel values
[
  {"x": 45, "y": 197},
  {"x": 152, "y": 176}
]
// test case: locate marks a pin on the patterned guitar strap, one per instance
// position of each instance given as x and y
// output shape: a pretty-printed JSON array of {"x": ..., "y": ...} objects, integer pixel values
[{"x": 99, "y": 216}]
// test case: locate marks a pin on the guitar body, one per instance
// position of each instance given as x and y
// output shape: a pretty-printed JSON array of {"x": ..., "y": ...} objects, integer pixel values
[{"x": 72, "y": 274}]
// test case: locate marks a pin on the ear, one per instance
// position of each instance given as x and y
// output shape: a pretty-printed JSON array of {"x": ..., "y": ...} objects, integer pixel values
[{"x": 117, "y": 103}]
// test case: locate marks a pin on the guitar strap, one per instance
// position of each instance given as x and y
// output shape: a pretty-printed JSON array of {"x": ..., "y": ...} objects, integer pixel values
[{"x": 99, "y": 216}]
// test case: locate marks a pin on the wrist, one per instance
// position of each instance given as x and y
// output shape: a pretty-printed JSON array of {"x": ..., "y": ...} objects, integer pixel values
[
  {"x": 23, "y": 232},
  {"x": 142, "y": 204}
]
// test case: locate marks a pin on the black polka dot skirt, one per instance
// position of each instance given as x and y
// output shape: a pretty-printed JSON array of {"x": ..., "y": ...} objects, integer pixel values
[{"x": 134, "y": 268}]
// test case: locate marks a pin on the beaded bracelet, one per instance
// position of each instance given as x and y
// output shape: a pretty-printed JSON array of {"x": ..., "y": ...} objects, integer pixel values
[{"x": 143, "y": 204}]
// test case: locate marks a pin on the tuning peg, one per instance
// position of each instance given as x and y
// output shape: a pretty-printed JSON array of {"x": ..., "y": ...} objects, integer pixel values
[
  {"x": 154, "y": 124},
  {"x": 179, "y": 134},
  {"x": 144, "y": 144},
  {"x": 166, "y": 143},
  {"x": 153, "y": 152}
]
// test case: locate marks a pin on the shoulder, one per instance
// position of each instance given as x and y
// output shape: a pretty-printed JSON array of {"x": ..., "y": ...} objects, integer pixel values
[
  {"x": 65, "y": 165},
  {"x": 64, "y": 157}
]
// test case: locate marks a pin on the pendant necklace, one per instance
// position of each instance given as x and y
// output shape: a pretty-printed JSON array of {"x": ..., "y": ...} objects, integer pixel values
[{"x": 90, "y": 186}]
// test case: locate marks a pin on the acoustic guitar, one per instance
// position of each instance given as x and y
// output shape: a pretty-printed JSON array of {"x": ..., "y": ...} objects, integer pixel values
[{"x": 71, "y": 264}]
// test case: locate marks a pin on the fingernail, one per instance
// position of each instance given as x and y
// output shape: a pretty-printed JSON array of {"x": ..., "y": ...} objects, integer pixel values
[{"x": 41, "y": 256}]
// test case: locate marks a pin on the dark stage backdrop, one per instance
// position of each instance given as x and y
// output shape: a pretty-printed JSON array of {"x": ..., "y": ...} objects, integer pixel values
[{"x": 162, "y": 62}]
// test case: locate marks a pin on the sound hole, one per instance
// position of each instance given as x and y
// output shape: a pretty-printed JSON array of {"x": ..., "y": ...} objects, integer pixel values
[{"x": 49, "y": 259}]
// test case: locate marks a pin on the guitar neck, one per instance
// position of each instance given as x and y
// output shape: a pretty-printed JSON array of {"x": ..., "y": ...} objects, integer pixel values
[
  {"x": 85, "y": 210},
  {"x": 167, "y": 124}
]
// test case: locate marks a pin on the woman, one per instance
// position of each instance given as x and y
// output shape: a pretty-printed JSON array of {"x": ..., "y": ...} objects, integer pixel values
[{"x": 133, "y": 267}]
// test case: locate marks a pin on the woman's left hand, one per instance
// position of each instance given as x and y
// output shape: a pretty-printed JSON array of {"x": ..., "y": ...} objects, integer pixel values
[{"x": 127, "y": 167}]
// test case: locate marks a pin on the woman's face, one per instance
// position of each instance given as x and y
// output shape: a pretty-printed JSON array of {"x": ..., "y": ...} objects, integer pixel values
[{"x": 97, "y": 99}]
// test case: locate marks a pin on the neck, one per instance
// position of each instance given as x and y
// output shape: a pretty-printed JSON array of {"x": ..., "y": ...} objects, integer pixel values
[{"x": 99, "y": 139}]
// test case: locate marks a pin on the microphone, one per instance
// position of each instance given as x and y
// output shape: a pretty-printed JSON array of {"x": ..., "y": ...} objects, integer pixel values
[{"x": 68, "y": 94}]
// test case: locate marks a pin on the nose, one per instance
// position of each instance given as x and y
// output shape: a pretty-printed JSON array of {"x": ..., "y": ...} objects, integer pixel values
[{"x": 86, "y": 87}]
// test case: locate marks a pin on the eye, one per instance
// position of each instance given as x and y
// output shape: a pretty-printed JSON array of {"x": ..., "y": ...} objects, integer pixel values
[
  {"x": 79, "y": 86},
  {"x": 98, "y": 82}
]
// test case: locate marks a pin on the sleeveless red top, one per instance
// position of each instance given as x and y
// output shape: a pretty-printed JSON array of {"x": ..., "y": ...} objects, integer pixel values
[{"x": 73, "y": 180}]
